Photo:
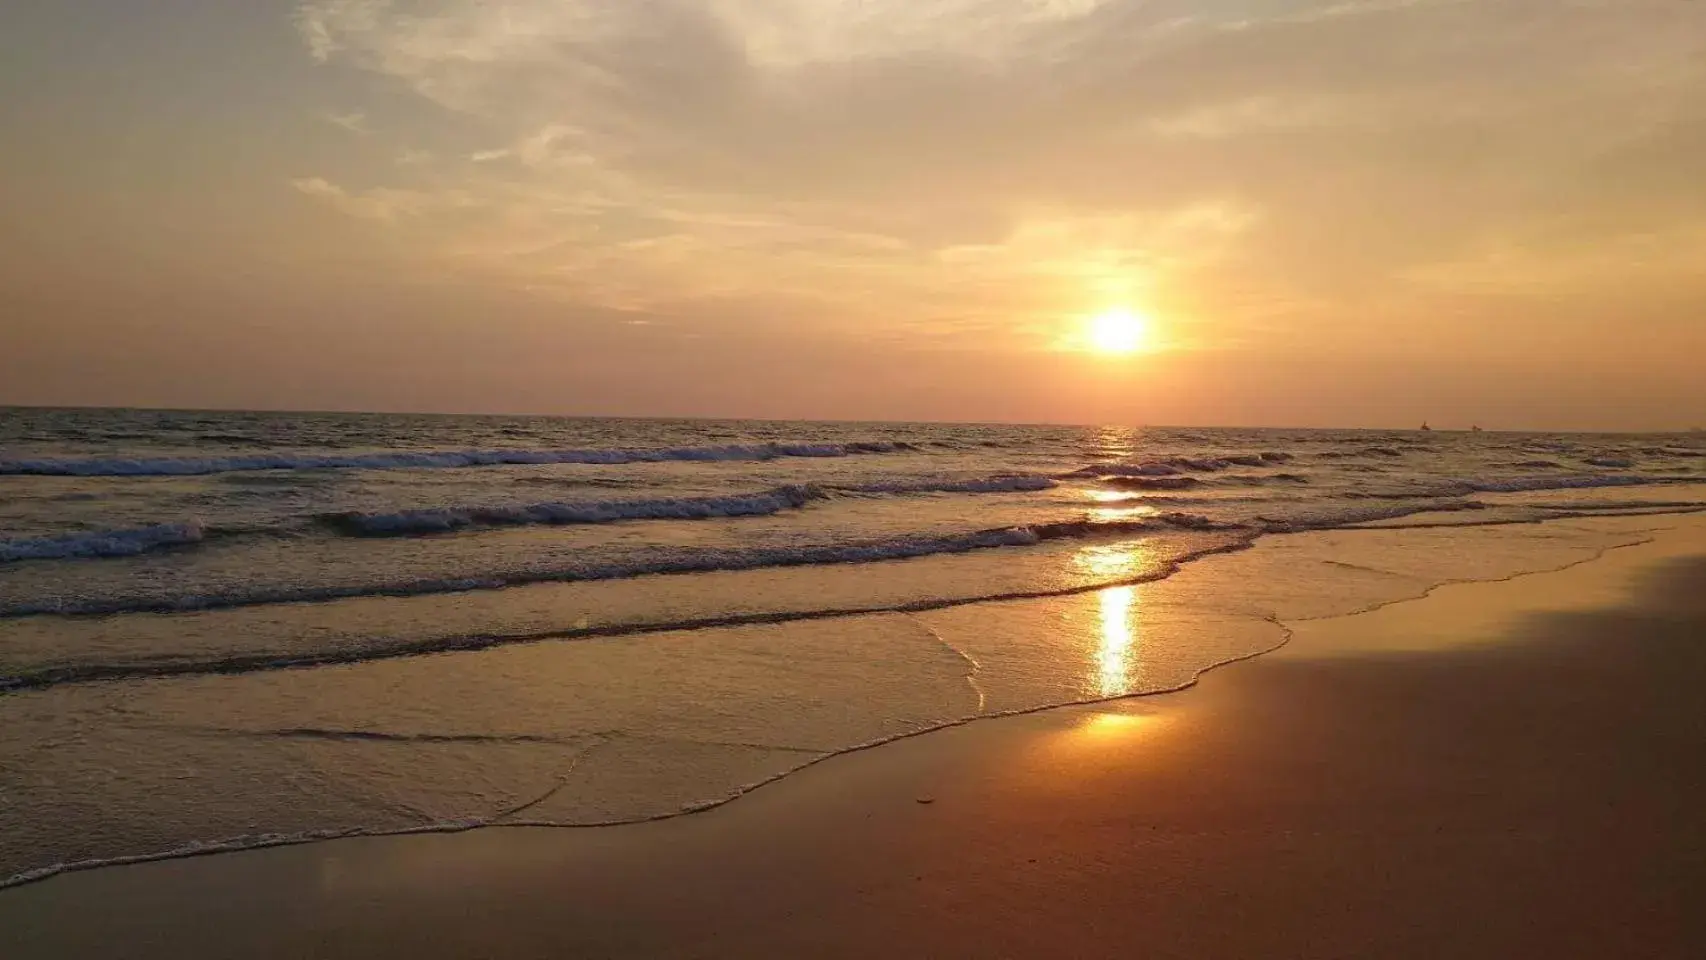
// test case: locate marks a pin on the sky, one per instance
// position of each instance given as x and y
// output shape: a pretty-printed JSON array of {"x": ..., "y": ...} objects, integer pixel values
[{"x": 1328, "y": 212}]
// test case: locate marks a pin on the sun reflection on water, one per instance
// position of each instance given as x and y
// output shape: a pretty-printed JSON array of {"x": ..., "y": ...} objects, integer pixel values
[
  {"x": 1116, "y": 443},
  {"x": 1119, "y": 635},
  {"x": 1116, "y": 655},
  {"x": 1108, "y": 561},
  {"x": 1112, "y": 505}
]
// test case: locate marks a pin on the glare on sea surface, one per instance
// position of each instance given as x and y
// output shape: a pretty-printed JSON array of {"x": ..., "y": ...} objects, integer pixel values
[
  {"x": 1119, "y": 331},
  {"x": 1116, "y": 443},
  {"x": 1118, "y": 614},
  {"x": 1119, "y": 636},
  {"x": 1112, "y": 505},
  {"x": 1108, "y": 561}
]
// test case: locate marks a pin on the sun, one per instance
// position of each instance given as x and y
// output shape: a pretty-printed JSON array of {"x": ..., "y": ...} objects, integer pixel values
[{"x": 1119, "y": 331}]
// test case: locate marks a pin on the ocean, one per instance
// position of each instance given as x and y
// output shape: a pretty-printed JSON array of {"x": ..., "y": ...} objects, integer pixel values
[{"x": 224, "y": 630}]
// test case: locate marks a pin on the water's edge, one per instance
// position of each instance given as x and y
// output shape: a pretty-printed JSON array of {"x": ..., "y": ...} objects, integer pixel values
[{"x": 1637, "y": 537}]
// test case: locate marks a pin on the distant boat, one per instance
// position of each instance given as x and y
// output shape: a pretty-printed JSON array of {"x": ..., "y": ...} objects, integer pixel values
[
  {"x": 1475, "y": 430},
  {"x": 1426, "y": 428}
]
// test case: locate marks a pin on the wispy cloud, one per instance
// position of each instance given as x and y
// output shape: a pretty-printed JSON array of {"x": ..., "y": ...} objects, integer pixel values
[
  {"x": 380, "y": 203},
  {"x": 353, "y": 122},
  {"x": 322, "y": 22},
  {"x": 895, "y": 159}
]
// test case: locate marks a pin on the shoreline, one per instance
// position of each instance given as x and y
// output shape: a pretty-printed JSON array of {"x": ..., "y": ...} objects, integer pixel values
[
  {"x": 883, "y": 792},
  {"x": 1285, "y": 626}
]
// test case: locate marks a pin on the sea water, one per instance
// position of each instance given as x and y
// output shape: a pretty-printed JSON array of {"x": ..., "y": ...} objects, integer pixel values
[{"x": 224, "y": 630}]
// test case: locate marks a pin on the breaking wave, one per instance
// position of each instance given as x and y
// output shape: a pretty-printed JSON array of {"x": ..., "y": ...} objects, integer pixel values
[
  {"x": 102, "y": 543},
  {"x": 1151, "y": 483},
  {"x": 762, "y": 504},
  {"x": 1174, "y": 466},
  {"x": 406, "y": 522},
  {"x": 394, "y": 647},
  {"x": 1526, "y": 484},
  {"x": 400, "y": 460},
  {"x": 1014, "y": 483},
  {"x": 655, "y": 561}
]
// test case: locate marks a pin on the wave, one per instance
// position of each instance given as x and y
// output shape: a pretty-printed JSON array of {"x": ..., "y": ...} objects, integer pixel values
[
  {"x": 1359, "y": 515},
  {"x": 54, "y": 675},
  {"x": 1621, "y": 505},
  {"x": 1232, "y": 538},
  {"x": 404, "y": 522},
  {"x": 102, "y": 543},
  {"x": 1460, "y": 487},
  {"x": 1545, "y": 515},
  {"x": 1107, "y": 470},
  {"x": 760, "y": 504},
  {"x": 1176, "y": 483},
  {"x": 509, "y": 818},
  {"x": 1174, "y": 466},
  {"x": 1530, "y": 484},
  {"x": 1450, "y": 498},
  {"x": 657, "y": 561},
  {"x": 1008, "y": 483},
  {"x": 1150, "y": 483},
  {"x": 402, "y": 460}
]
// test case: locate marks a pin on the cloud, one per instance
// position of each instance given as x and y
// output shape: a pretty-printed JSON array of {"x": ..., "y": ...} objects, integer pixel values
[
  {"x": 889, "y": 161},
  {"x": 323, "y": 22},
  {"x": 379, "y": 203},
  {"x": 353, "y": 122}
]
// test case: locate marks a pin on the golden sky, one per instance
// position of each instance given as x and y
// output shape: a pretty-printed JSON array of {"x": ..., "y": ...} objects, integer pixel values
[{"x": 1325, "y": 212}]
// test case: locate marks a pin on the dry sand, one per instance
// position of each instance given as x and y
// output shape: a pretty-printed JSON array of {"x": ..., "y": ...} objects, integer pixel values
[{"x": 1500, "y": 770}]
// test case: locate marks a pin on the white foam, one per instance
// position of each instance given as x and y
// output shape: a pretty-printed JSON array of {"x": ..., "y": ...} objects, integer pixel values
[
  {"x": 1129, "y": 470},
  {"x": 1016, "y": 483},
  {"x": 681, "y": 508},
  {"x": 656, "y": 561},
  {"x": 763, "y": 503},
  {"x": 1526, "y": 484},
  {"x": 102, "y": 543},
  {"x": 1177, "y": 465},
  {"x": 401, "y": 460},
  {"x": 1344, "y": 517}
]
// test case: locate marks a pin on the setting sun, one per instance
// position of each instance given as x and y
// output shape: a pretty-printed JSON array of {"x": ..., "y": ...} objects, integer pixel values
[{"x": 1119, "y": 331}]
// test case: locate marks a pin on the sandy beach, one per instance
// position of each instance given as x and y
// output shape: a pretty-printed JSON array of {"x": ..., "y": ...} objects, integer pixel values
[{"x": 1499, "y": 769}]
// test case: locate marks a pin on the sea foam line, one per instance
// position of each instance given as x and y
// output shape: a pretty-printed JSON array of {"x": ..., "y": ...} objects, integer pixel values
[
  {"x": 442, "y": 520},
  {"x": 1227, "y": 540},
  {"x": 1177, "y": 465},
  {"x": 763, "y": 503},
  {"x": 133, "y": 541},
  {"x": 403, "y": 460},
  {"x": 659, "y": 562},
  {"x": 102, "y": 543},
  {"x": 198, "y": 848}
]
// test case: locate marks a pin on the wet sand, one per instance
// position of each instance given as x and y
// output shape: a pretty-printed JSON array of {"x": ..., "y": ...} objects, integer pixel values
[{"x": 1512, "y": 769}]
